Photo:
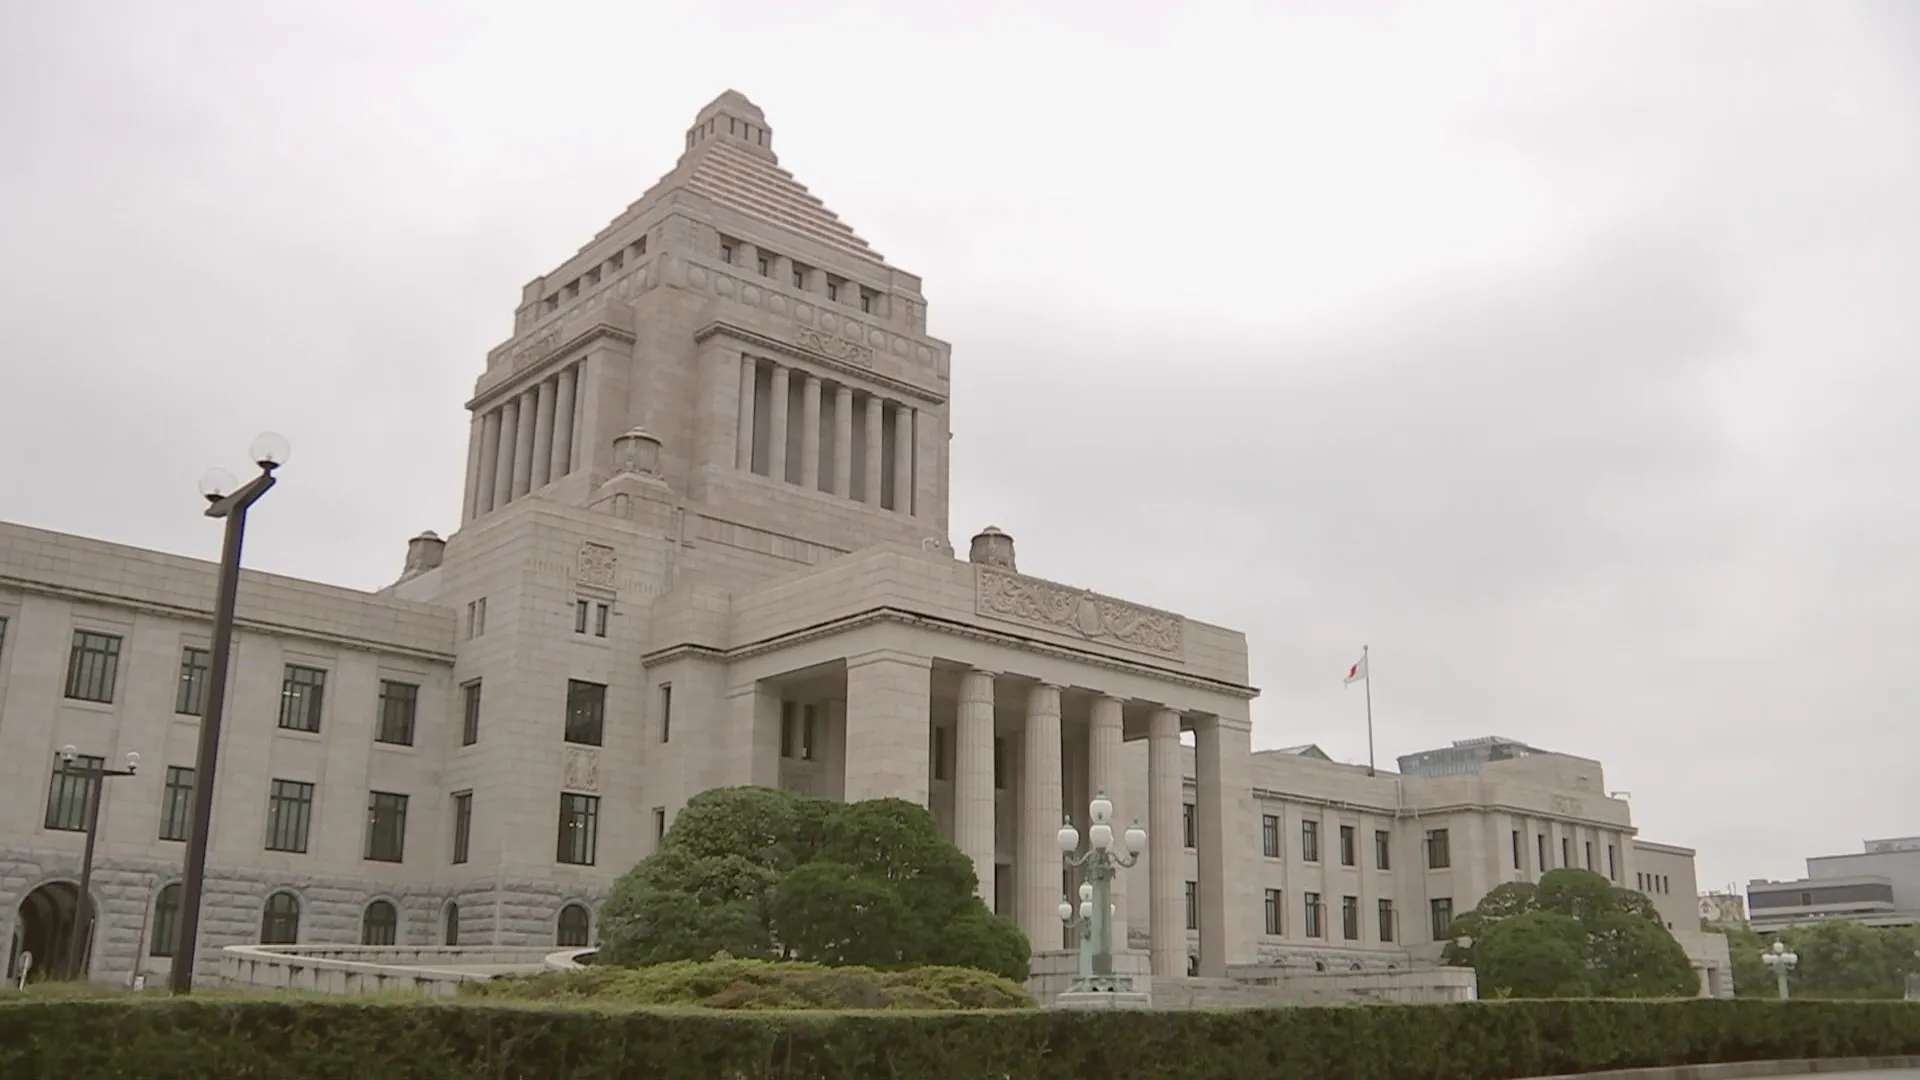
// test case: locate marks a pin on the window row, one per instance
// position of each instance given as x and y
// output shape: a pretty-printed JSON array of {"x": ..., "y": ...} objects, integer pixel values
[
  {"x": 1652, "y": 883},
  {"x": 605, "y": 271},
  {"x": 1438, "y": 850},
  {"x": 93, "y": 674},
  {"x": 1314, "y": 916},
  {"x": 379, "y": 923},
  {"x": 805, "y": 278},
  {"x": 1566, "y": 855}
]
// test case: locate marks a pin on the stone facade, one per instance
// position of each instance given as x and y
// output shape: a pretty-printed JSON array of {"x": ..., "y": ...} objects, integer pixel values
[{"x": 704, "y": 542}]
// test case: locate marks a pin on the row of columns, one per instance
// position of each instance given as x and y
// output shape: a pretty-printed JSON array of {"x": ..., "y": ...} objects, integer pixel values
[
  {"x": 1041, "y": 811},
  {"x": 808, "y": 472},
  {"x": 525, "y": 442}
]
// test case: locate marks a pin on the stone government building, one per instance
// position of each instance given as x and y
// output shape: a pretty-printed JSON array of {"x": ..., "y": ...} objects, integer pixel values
[{"x": 704, "y": 542}]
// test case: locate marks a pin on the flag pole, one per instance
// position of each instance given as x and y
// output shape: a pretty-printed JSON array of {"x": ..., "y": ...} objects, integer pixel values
[{"x": 1369, "y": 688}]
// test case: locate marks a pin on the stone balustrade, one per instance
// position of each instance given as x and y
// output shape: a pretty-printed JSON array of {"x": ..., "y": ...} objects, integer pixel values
[{"x": 435, "y": 971}]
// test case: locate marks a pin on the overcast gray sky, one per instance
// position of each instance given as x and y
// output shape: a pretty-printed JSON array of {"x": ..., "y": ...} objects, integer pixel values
[{"x": 1563, "y": 353}]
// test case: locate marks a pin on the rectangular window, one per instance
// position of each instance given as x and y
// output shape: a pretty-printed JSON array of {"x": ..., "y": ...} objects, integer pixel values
[
  {"x": 1386, "y": 921},
  {"x": 1441, "y": 910},
  {"x": 191, "y": 698},
  {"x": 93, "y": 666},
  {"x": 1002, "y": 889},
  {"x": 470, "y": 713},
  {"x": 1566, "y": 851},
  {"x": 1382, "y": 849},
  {"x": 586, "y": 712},
  {"x": 764, "y": 266},
  {"x": 579, "y": 829},
  {"x": 476, "y": 618},
  {"x": 1348, "y": 842},
  {"x": 666, "y": 712},
  {"x": 176, "y": 803},
  {"x": 1273, "y": 912},
  {"x": 1193, "y": 905},
  {"x": 1310, "y": 841},
  {"x": 833, "y": 290},
  {"x": 386, "y": 826},
  {"x": 462, "y": 825},
  {"x": 398, "y": 703},
  {"x": 941, "y": 751},
  {"x": 70, "y": 798},
  {"x": 726, "y": 254},
  {"x": 601, "y": 612},
  {"x": 166, "y": 921},
  {"x": 1516, "y": 849},
  {"x": 866, "y": 301},
  {"x": 1350, "y": 918},
  {"x": 1310, "y": 908},
  {"x": 1270, "y": 835},
  {"x": 798, "y": 731},
  {"x": 1589, "y": 855},
  {"x": 999, "y": 769},
  {"x": 1187, "y": 826},
  {"x": 303, "y": 692},
  {"x": 1611, "y": 875},
  {"x": 289, "y": 814},
  {"x": 799, "y": 276},
  {"x": 580, "y": 609},
  {"x": 1439, "y": 850},
  {"x": 3, "y": 634},
  {"x": 1540, "y": 851},
  {"x": 659, "y": 824}
]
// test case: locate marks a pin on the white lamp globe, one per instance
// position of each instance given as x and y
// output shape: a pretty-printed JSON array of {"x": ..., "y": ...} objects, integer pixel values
[
  {"x": 1136, "y": 839},
  {"x": 1086, "y": 909},
  {"x": 1101, "y": 808},
  {"x": 1086, "y": 891},
  {"x": 1102, "y": 835},
  {"x": 1068, "y": 837},
  {"x": 1066, "y": 911}
]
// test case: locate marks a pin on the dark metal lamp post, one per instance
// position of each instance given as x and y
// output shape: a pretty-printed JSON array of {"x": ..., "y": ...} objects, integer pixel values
[
  {"x": 227, "y": 499},
  {"x": 83, "y": 918}
]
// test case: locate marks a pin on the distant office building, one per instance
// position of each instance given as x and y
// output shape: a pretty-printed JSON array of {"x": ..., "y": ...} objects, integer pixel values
[
  {"x": 1879, "y": 886},
  {"x": 1465, "y": 757}
]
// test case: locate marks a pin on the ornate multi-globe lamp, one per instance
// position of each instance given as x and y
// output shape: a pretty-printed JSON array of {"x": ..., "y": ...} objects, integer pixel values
[{"x": 1093, "y": 916}]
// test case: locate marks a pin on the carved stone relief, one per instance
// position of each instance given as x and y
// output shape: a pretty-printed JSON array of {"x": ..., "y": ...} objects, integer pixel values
[
  {"x": 835, "y": 347},
  {"x": 1566, "y": 804},
  {"x": 596, "y": 565},
  {"x": 1022, "y": 599},
  {"x": 583, "y": 768},
  {"x": 536, "y": 349}
]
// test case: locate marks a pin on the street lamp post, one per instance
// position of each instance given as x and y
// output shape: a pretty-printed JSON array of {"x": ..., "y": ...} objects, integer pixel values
[
  {"x": 228, "y": 499},
  {"x": 1094, "y": 915},
  {"x": 83, "y": 918},
  {"x": 1781, "y": 961}
]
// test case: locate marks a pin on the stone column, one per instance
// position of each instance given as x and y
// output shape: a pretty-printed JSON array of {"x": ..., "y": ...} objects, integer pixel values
[
  {"x": 749, "y": 377},
  {"x": 973, "y": 810},
  {"x": 1223, "y": 804},
  {"x": 902, "y": 459},
  {"x": 889, "y": 701},
  {"x": 843, "y": 441},
  {"x": 1104, "y": 774},
  {"x": 563, "y": 424},
  {"x": 579, "y": 458},
  {"x": 523, "y": 443},
  {"x": 778, "y": 399},
  {"x": 1040, "y": 818},
  {"x": 476, "y": 434},
  {"x": 503, "y": 453},
  {"x": 1166, "y": 851},
  {"x": 543, "y": 436},
  {"x": 752, "y": 742},
  {"x": 810, "y": 431},
  {"x": 876, "y": 409}
]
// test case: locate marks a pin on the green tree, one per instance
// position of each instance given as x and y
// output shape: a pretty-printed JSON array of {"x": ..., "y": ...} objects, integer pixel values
[
  {"x": 758, "y": 872},
  {"x": 1519, "y": 941},
  {"x": 1838, "y": 959},
  {"x": 1536, "y": 954}
]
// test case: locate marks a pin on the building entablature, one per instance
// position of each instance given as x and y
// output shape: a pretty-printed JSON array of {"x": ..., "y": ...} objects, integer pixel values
[
  {"x": 847, "y": 358},
  {"x": 552, "y": 343}
]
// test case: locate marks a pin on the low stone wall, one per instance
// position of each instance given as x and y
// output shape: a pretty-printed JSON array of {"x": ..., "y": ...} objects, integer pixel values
[
  {"x": 436, "y": 971},
  {"x": 1053, "y": 971},
  {"x": 1292, "y": 986}
]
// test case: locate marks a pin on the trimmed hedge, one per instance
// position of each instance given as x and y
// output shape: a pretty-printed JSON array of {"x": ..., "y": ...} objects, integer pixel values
[
  {"x": 761, "y": 984},
  {"x": 211, "y": 1039}
]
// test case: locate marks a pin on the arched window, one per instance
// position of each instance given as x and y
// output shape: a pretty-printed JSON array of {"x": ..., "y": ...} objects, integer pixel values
[
  {"x": 380, "y": 925},
  {"x": 576, "y": 927},
  {"x": 453, "y": 924},
  {"x": 166, "y": 921},
  {"x": 280, "y": 920}
]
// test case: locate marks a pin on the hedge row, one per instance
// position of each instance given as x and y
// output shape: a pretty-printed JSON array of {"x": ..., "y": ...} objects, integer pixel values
[
  {"x": 212, "y": 1038},
  {"x": 760, "y": 984}
]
